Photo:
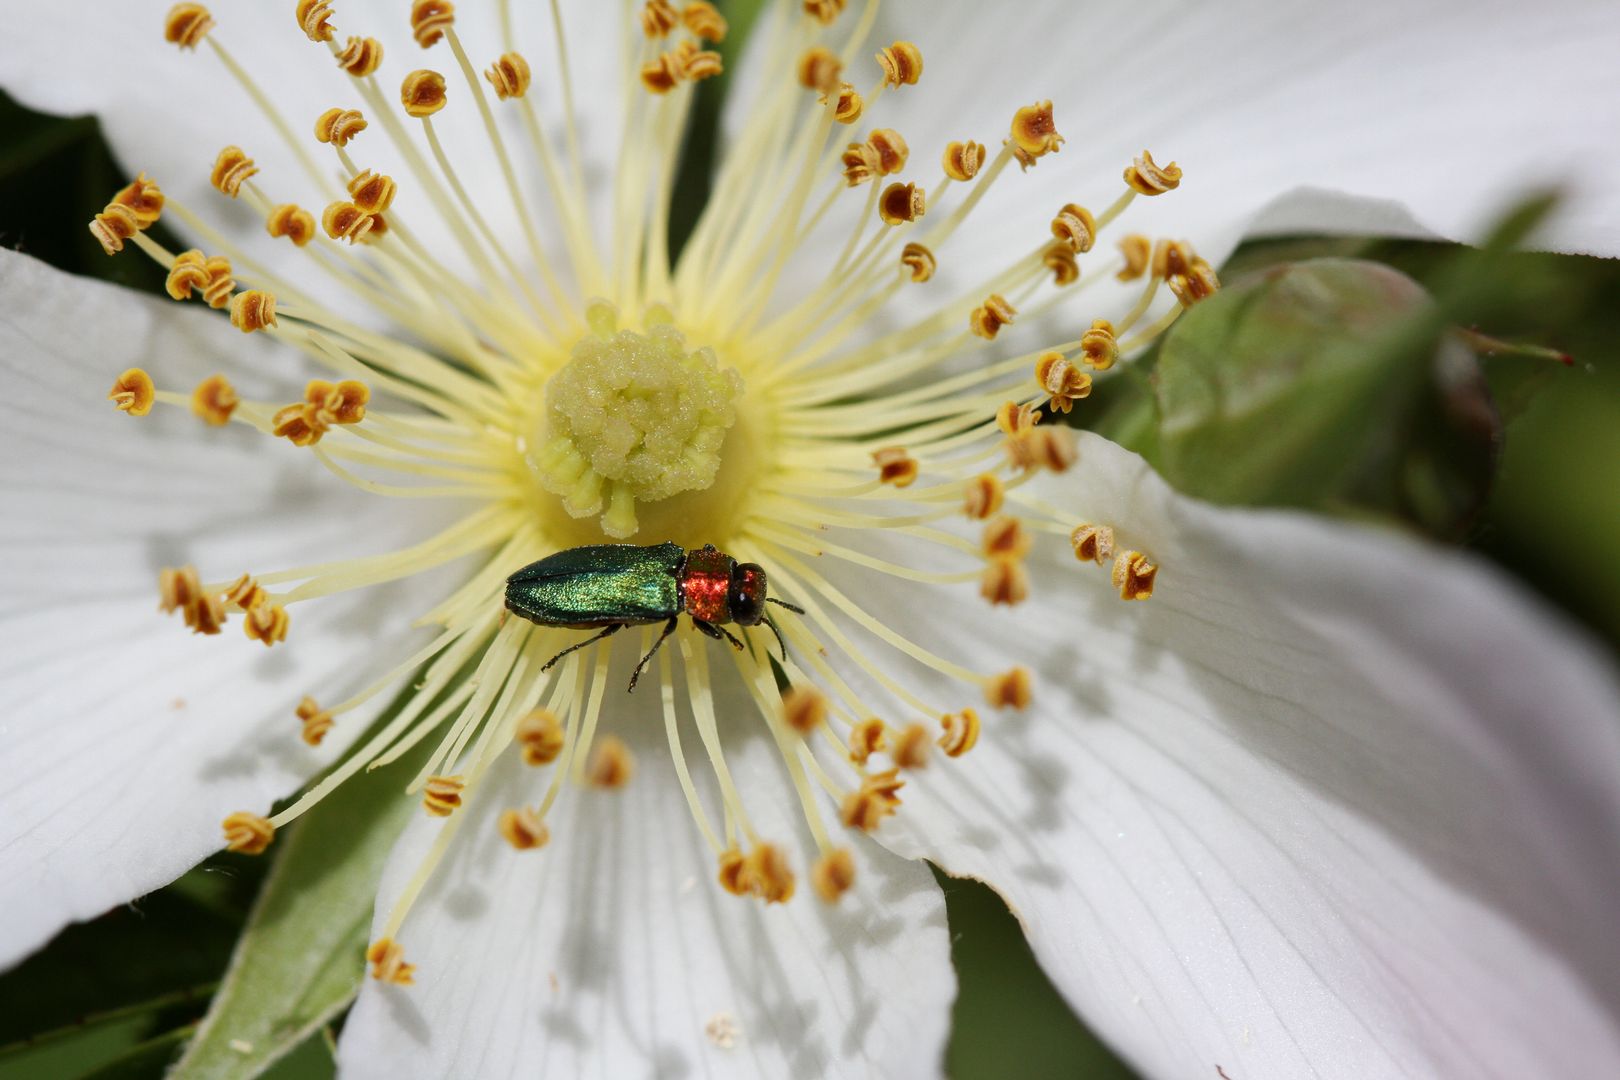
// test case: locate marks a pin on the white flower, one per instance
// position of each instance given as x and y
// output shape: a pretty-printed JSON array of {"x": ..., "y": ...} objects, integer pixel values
[{"x": 1330, "y": 802}]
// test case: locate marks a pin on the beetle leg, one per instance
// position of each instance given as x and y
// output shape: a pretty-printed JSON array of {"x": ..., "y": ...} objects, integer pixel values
[
  {"x": 609, "y": 632},
  {"x": 780, "y": 644},
  {"x": 718, "y": 632},
  {"x": 669, "y": 628}
]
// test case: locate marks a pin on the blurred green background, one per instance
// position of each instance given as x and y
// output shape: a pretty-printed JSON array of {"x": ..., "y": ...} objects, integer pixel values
[{"x": 117, "y": 997}]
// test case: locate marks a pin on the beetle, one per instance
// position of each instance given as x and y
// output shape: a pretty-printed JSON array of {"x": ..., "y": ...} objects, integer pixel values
[{"x": 613, "y": 586}]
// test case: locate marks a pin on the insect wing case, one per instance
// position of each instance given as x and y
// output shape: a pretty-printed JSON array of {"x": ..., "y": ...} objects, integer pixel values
[{"x": 598, "y": 585}]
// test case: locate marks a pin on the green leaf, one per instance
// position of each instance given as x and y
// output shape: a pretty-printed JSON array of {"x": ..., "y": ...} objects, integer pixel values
[{"x": 301, "y": 956}]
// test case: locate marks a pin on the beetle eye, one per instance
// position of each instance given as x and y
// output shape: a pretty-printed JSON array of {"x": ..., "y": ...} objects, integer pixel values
[{"x": 748, "y": 594}]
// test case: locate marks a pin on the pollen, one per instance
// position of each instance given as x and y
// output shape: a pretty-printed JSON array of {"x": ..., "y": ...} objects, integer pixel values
[
  {"x": 217, "y": 293},
  {"x": 1059, "y": 258},
  {"x": 360, "y": 57},
  {"x": 316, "y": 720},
  {"x": 819, "y": 70},
  {"x": 960, "y": 732},
  {"x": 1147, "y": 178},
  {"x": 1137, "y": 250},
  {"x": 833, "y": 874},
  {"x": 291, "y": 221},
  {"x": 133, "y": 392},
  {"x": 1009, "y": 690},
  {"x": 193, "y": 270},
  {"x": 633, "y": 417},
  {"x": 346, "y": 221},
  {"x": 1099, "y": 349},
  {"x": 372, "y": 192},
  {"x": 902, "y": 202},
  {"x": 441, "y": 795},
  {"x": 523, "y": 829},
  {"x": 847, "y": 104},
  {"x": 919, "y": 262},
  {"x": 987, "y": 320},
  {"x": 1198, "y": 283},
  {"x": 248, "y": 833},
  {"x": 422, "y": 93},
  {"x": 1042, "y": 448},
  {"x": 877, "y": 798},
  {"x": 825, "y": 12},
  {"x": 338, "y": 126},
  {"x": 902, "y": 64},
  {"x": 730, "y": 874},
  {"x": 540, "y": 734},
  {"x": 314, "y": 19},
  {"x": 113, "y": 226},
  {"x": 1133, "y": 575},
  {"x": 611, "y": 765},
  {"x": 895, "y": 466},
  {"x": 662, "y": 75},
  {"x": 962, "y": 160},
  {"x": 1172, "y": 257},
  {"x": 1005, "y": 538},
  {"x": 1034, "y": 133},
  {"x": 867, "y": 738},
  {"x": 253, "y": 310},
  {"x": 214, "y": 400},
  {"x": 1063, "y": 383},
  {"x": 232, "y": 168},
  {"x": 911, "y": 747},
  {"x": 1075, "y": 226},
  {"x": 658, "y": 18},
  {"x": 509, "y": 75},
  {"x": 804, "y": 708},
  {"x": 704, "y": 21},
  {"x": 267, "y": 623},
  {"x": 1005, "y": 582},
  {"x": 698, "y": 64},
  {"x": 430, "y": 19},
  {"x": 246, "y": 593},
  {"x": 1015, "y": 419},
  {"x": 1092, "y": 543},
  {"x": 982, "y": 496},
  {"x": 387, "y": 959},
  {"x": 186, "y": 25},
  {"x": 767, "y": 875},
  {"x": 179, "y": 590}
]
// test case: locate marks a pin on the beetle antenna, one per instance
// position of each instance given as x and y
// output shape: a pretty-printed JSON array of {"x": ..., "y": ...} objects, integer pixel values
[
  {"x": 780, "y": 644},
  {"x": 795, "y": 608}
]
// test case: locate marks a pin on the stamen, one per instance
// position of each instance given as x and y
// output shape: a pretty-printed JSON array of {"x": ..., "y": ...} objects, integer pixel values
[
  {"x": 833, "y": 874},
  {"x": 293, "y": 222},
  {"x": 1009, "y": 690},
  {"x": 962, "y": 160},
  {"x": 372, "y": 192},
  {"x": 541, "y": 735},
  {"x": 360, "y": 57},
  {"x": 1137, "y": 250},
  {"x": 523, "y": 828},
  {"x": 1004, "y": 582},
  {"x": 867, "y": 738},
  {"x": 1075, "y": 226},
  {"x": 819, "y": 70},
  {"x": 316, "y": 720},
  {"x": 133, "y": 392},
  {"x": 387, "y": 960},
  {"x": 1059, "y": 259},
  {"x": 825, "y": 12},
  {"x": 1146, "y": 178},
  {"x": 877, "y": 798},
  {"x": 509, "y": 75},
  {"x": 266, "y": 623},
  {"x": 430, "y": 19},
  {"x": 982, "y": 496},
  {"x": 231, "y": 168},
  {"x": 253, "y": 310},
  {"x": 246, "y": 593},
  {"x": 804, "y": 708},
  {"x": 346, "y": 221},
  {"x": 441, "y": 795},
  {"x": 1198, "y": 283},
  {"x": 214, "y": 400},
  {"x": 313, "y": 16},
  {"x": 895, "y": 466},
  {"x": 658, "y": 18},
  {"x": 1063, "y": 383},
  {"x": 1098, "y": 347},
  {"x": 1042, "y": 447},
  {"x": 1005, "y": 538},
  {"x": 180, "y": 590},
  {"x": 186, "y": 25},
  {"x": 919, "y": 261},
  {"x": 902, "y": 64},
  {"x": 766, "y": 874},
  {"x": 961, "y": 732},
  {"x": 847, "y": 107},
  {"x": 248, "y": 833},
  {"x": 911, "y": 747},
  {"x": 1092, "y": 543},
  {"x": 338, "y": 126},
  {"x": 1133, "y": 575},
  {"x": 422, "y": 93},
  {"x": 611, "y": 765},
  {"x": 1034, "y": 133},
  {"x": 1015, "y": 419},
  {"x": 987, "y": 320},
  {"x": 704, "y": 21},
  {"x": 902, "y": 202},
  {"x": 193, "y": 270}
]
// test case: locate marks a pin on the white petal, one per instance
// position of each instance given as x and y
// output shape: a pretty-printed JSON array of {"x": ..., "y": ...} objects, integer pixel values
[
  {"x": 611, "y": 951},
  {"x": 1331, "y": 803},
  {"x": 125, "y": 740}
]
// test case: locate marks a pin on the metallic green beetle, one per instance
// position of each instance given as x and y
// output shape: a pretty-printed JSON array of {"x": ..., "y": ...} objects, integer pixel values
[{"x": 617, "y": 585}]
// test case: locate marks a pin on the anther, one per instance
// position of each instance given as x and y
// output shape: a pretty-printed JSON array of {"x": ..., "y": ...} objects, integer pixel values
[
  {"x": 1015, "y": 419},
  {"x": 847, "y": 103},
  {"x": 179, "y": 590},
  {"x": 186, "y": 25},
  {"x": 824, "y": 11},
  {"x": 248, "y": 833},
  {"x": 133, "y": 392},
  {"x": 1198, "y": 283},
  {"x": 430, "y": 19},
  {"x": 1146, "y": 178},
  {"x": 962, "y": 159},
  {"x": 387, "y": 960},
  {"x": 833, "y": 874},
  {"x": 860, "y": 163},
  {"x": 704, "y": 21},
  {"x": 819, "y": 69},
  {"x": 523, "y": 828},
  {"x": 658, "y": 18},
  {"x": 1099, "y": 349},
  {"x": 611, "y": 765},
  {"x": 422, "y": 93},
  {"x": 1042, "y": 448},
  {"x": 1034, "y": 133},
  {"x": 982, "y": 496},
  {"x": 911, "y": 747},
  {"x": 732, "y": 864},
  {"x": 891, "y": 150},
  {"x": 540, "y": 734},
  {"x": 1092, "y": 543},
  {"x": 217, "y": 293},
  {"x": 246, "y": 593},
  {"x": 1137, "y": 250},
  {"x": 662, "y": 75},
  {"x": 902, "y": 202},
  {"x": 346, "y": 221},
  {"x": 253, "y": 310},
  {"x": 1005, "y": 538},
  {"x": 1133, "y": 575},
  {"x": 143, "y": 199},
  {"x": 341, "y": 403},
  {"x": 895, "y": 466},
  {"x": 876, "y": 798},
  {"x": 867, "y": 738},
  {"x": 1059, "y": 258},
  {"x": 360, "y": 56},
  {"x": 698, "y": 64},
  {"x": 1009, "y": 690},
  {"x": 766, "y": 874},
  {"x": 114, "y": 225},
  {"x": 1005, "y": 581},
  {"x": 313, "y": 19},
  {"x": 266, "y": 623},
  {"x": 919, "y": 261},
  {"x": 1075, "y": 226},
  {"x": 987, "y": 320},
  {"x": 1172, "y": 257},
  {"x": 804, "y": 708},
  {"x": 1063, "y": 383},
  {"x": 293, "y": 222},
  {"x": 509, "y": 75},
  {"x": 441, "y": 795},
  {"x": 231, "y": 168},
  {"x": 190, "y": 271},
  {"x": 338, "y": 126},
  {"x": 316, "y": 720},
  {"x": 372, "y": 192},
  {"x": 902, "y": 64},
  {"x": 214, "y": 400},
  {"x": 961, "y": 732}
]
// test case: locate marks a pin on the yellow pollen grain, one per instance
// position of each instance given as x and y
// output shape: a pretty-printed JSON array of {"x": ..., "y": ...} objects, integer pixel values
[
  {"x": 1005, "y": 538},
  {"x": 291, "y": 221},
  {"x": 895, "y": 466},
  {"x": 214, "y": 400},
  {"x": 1059, "y": 258},
  {"x": 804, "y": 708},
  {"x": 186, "y": 25},
  {"x": 430, "y": 19},
  {"x": 1063, "y": 383},
  {"x": 1009, "y": 690},
  {"x": 1147, "y": 178},
  {"x": 540, "y": 733},
  {"x": 266, "y": 623},
  {"x": 987, "y": 320},
  {"x": 833, "y": 874},
  {"x": 422, "y": 93},
  {"x": 911, "y": 747},
  {"x": 847, "y": 103},
  {"x": 387, "y": 959},
  {"x": 902, "y": 64},
  {"x": 918, "y": 261},
  {"x": 902, "y": 202},
  {"x": 253, "y": 310},
  {"x": 1133, "y": 575},
  {"x": 658, "y": 18},
  {"x": 866, "y": 738},
  {"x": 316, "y": 721},
  {"x": 1075, "y": 226},
  {"x": 372, "y": 192},
  {"x": 982, "y": 496},
  {"x": 338, "y": 126},
  {"x": 509, "y": 75},
  {"x": 133, "y": 392},
  {"x": 1092, "y": 543},
  {"x": 819, "y": 69},
  {"x": 959, "y": 732},
  {"x": 1137, "y": 250},
  {"x": 962, "y": 160},
  {"x": 360, "y": 57},
  {"x": 1042, "y": 448},
  {"x": 441, "y": 795},
  {"x": 825, "y": 12},
  {"x": 704, "y": 21},
  {"x": 1099, "y": 348},
  {"x": 767, "y": 875},
  {"x": 248, "y": 833},
  {"x": 1005, "y": 582},
  {"x": 314, "y": 19},
  {"x": 232, "y": 168},
  {"x": 1034, "y": 132},
  {"x": 523, "y": 829},
  {"x": 611, "y": 765}
]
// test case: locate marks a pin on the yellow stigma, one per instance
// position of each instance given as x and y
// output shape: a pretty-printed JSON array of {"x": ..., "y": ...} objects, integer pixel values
[{"x": 633, "y": 417}]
